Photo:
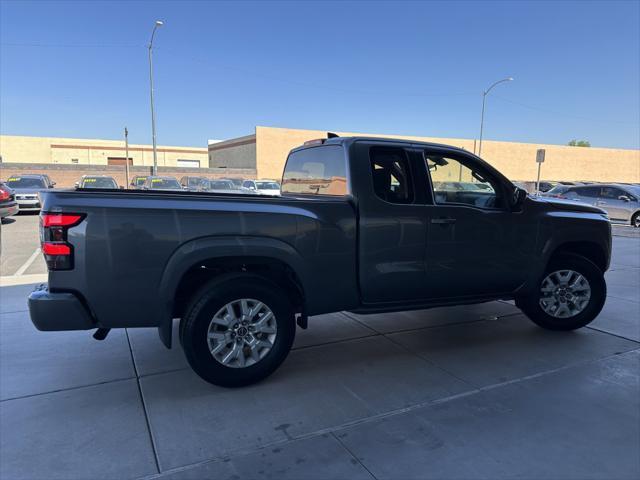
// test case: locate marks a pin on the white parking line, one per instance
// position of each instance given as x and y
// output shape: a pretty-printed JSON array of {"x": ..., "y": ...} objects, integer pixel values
[
  {"x": 23, "y": 279},
  {"x": 28, "y": 263}
]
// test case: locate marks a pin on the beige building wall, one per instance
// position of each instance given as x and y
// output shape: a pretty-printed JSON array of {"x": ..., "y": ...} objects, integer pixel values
[
  {"x": 514, "y": 160},
  {"x": 236, "y": 153},
  {"x": 23, "y": 149}
]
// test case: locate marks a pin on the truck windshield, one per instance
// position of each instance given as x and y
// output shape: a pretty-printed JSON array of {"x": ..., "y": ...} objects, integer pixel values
[
  {"x": 26, "y": 182},
  {"x": 316, "y": 171}
]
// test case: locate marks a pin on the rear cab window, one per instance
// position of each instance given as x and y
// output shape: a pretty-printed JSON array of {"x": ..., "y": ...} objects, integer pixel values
[{"x": 320, "y": 170}]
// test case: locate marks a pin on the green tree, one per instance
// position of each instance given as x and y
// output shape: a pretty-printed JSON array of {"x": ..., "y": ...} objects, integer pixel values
[{"x": 579, "y": 143}]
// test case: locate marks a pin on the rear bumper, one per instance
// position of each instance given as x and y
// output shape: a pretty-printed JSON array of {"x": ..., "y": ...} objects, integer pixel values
[
  {"x": 27, "y": 204},
  {"x": 8, "y": 210},
  {"x": 58, "y": 311}
]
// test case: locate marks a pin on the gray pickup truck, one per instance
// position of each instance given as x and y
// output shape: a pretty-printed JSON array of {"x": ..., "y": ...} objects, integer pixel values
[{"x": 365, "y": 225}]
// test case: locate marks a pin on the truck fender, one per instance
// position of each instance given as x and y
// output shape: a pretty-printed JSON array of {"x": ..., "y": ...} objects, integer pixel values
[{"x": 202, "y": 249}]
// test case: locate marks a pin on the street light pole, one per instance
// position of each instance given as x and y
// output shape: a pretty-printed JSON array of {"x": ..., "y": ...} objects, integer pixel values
[
  {"x": 484, "y": 98},
  {"x": 153, "y": 115}
]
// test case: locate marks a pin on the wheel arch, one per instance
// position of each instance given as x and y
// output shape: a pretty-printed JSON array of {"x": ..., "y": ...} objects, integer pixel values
[
  {"x": 200, "y": 260},
  {"x": 592, "y": 251}
]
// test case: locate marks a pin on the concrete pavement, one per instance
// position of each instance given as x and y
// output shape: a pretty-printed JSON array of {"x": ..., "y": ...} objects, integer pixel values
[{"x": 463, "y": 392}]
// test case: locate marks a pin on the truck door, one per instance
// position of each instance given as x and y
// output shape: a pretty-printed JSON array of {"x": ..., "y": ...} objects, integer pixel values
[
  {"x": 475, "y": 245},
  {"x": 392, "y": 228}
]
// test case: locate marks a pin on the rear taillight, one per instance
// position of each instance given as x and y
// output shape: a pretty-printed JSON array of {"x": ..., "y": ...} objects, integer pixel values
[
  {"x": 4, "y": 194},
  {"x": 58, "y": 252}
]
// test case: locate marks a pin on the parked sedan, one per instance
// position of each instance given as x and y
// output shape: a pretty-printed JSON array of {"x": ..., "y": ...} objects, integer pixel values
[
  {"x": 8, "y": 204},
  {"x": 26, "y": 188},
  {"x": 621, "y": 202},
  {"x": 96, "y": 181},
  {"x": 161, "y": 183}
]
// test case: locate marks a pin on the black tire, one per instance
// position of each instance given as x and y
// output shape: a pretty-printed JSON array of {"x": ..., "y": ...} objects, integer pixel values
[
  {"x": 530, "y": 305},
  {"x": 635, "y": 220},
  {"x": 208, "y": 301}
]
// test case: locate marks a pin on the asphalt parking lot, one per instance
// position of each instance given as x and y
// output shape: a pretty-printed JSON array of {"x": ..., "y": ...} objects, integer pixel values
[{"x": 462, "y": 392}]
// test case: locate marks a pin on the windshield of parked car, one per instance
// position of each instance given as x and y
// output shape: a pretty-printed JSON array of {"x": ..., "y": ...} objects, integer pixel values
[
  {"x": 222, "y": 185},
  {"x": 165, "y": 184},
  {"x": 26, "y": 182},
  {"x": 98, "y": 182},
  {"x": 267, "y": 185},
  {"x": 140, "y": 181},
  {"x": 198, "y": 182}
]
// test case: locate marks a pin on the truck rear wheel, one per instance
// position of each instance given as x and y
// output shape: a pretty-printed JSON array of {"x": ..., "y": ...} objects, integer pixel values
[
  {"x": 237, "y": 330},
  {"x": 571, "y": 294}
]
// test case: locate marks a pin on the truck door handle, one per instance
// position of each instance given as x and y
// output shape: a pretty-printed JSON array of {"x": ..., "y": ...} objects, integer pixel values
[{"x": 443, "y": 221}]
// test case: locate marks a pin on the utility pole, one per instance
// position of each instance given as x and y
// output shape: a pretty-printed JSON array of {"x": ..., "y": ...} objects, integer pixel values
[
  {"x": 153, "y": 114},
  {"x": 126, "y": 156}
]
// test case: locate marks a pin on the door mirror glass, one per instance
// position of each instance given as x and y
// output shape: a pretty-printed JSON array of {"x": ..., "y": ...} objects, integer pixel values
[{"x": 624, "y": 198}]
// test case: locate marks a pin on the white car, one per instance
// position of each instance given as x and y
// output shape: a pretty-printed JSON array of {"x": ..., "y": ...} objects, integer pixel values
[{"x": 261, "y": 187}]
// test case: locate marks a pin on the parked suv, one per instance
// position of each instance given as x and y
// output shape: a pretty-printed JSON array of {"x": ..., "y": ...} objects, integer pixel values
[
  {"x": 27, "y": 187},
  {"x": 621, "y": 202},
  {"x": 161, "y": 183},
  {"x": 97, "y": 181}
]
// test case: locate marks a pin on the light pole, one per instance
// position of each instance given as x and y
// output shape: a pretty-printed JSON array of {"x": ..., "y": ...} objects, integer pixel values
[
  {"x": 484, "y": 97},
  {"x": 153, "y": 114}
]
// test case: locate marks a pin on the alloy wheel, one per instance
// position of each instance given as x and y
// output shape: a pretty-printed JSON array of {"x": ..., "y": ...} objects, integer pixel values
[
  {"x": 242, "y": 333},
  {"x": 564, "y": 293}
]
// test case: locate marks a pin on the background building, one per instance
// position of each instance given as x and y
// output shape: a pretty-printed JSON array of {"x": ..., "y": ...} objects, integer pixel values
[
  {"x": 22, "y": 149},
  {"x": 266, "y": 152},
  {"x": 65, "y": 160}
]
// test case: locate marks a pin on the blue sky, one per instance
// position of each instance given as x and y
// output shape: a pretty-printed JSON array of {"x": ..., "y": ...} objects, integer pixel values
[{"x": 79, "y": 69}]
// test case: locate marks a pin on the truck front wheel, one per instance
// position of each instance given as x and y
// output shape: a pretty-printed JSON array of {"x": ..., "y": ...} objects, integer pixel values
[
  {"x": 570, "y": 295},
  {"x": 237, "y": 330}
]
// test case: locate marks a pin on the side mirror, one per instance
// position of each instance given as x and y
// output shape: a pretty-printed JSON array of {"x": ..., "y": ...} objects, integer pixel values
[
  {"x": 77, "y": 185},
  {"x": 624, "y": 198},
  {"x": 518, "y": 197}
]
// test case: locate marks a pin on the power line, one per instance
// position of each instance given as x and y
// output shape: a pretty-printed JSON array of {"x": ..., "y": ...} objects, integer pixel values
[{"x": 72, "y": 45}]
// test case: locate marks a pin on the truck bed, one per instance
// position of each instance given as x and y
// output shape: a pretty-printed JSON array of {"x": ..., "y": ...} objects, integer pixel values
[{"x": 134, "y": 244}]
